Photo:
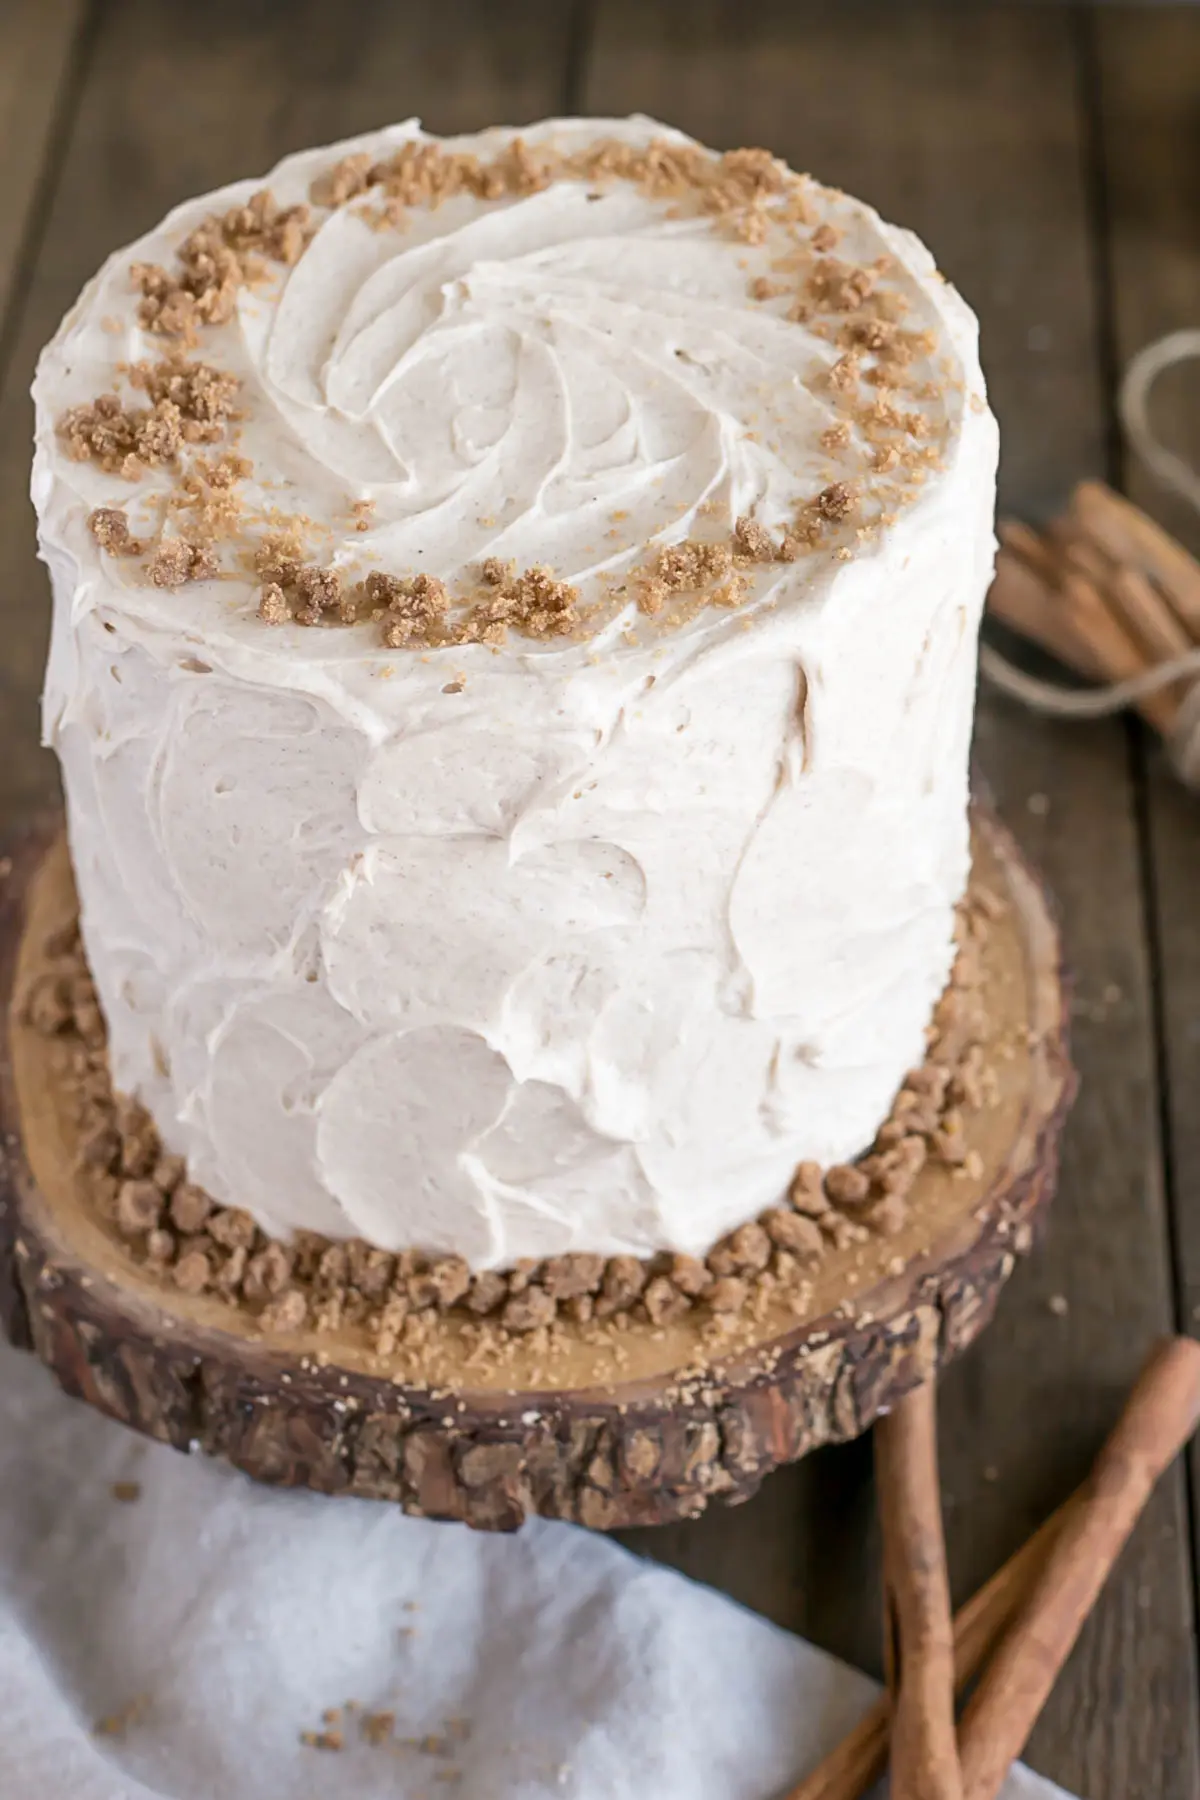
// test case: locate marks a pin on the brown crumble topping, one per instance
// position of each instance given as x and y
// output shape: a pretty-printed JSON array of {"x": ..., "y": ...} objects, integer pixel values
[
  {"x": 753, "y": 541},
  {"x": 874, "y": 335},
  {"x": 204, "y": 396},
  {"x": 216, "y": 259},
  {"x": 731, "y": 592},
  {"x": 845, "y": 373},
  {"x": 110, "y": 528},
  {"x": 836, "y": 502},
  {"x": 206, "y": 503},
  {"x": 278, "y": 558},
  {"x": 840, "y": 285},
  {"x": 190, "y": 404},
  {"x": 534, "y": 603},
  {"x": 177, "y": 1232},
  {"x": 690, "y": 566},
  {"x": 319, "y": 592},
  {"x": 293, "y": 588},
  {"x": 495, "y": 572},
  {"x": 273, "y": 608},
  {"x": 748, "y": 191},
  {"x": 176, "y": 561},
  {"x": 347, "y": 178},
  {"x": 413, "y": 611}
]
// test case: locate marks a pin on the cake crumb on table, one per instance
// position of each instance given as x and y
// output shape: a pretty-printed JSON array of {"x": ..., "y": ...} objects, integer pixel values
[
  {"x": 116, "y": 1724},
  {"x": 322, "y": 1740}
]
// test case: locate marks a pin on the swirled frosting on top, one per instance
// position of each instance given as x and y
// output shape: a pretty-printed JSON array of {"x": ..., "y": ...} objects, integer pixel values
[{"x": 519, "y": 919}]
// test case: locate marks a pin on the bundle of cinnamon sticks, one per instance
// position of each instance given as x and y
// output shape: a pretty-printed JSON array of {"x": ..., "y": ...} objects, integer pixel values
[
  {"x": 1018, "y": 1630},
  {"x": 1105, "y": 590}
]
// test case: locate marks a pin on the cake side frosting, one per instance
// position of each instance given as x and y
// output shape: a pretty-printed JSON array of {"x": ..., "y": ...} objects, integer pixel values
[{"x": 505, "y": 944}]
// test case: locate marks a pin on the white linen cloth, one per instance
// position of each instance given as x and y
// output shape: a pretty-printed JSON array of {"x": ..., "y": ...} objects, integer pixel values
[{"x": 216, "y": 1621}]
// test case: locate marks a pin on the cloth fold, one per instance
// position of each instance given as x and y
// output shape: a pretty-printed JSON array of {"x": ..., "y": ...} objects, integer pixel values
[{"x": 180, "y": 1645}]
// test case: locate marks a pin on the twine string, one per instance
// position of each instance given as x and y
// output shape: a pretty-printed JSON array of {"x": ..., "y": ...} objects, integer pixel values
[
  {"x": 1055, "y": 702},
  {"x": 1133, "y": 402}
]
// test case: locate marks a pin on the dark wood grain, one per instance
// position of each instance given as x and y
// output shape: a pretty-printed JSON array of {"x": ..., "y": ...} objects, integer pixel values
[
  {"x": 179, "y": 99},
  {"x": 38, "y": 39},
  {"x": 1148, "y": 118},
  {"x": 968, "y": 125}
]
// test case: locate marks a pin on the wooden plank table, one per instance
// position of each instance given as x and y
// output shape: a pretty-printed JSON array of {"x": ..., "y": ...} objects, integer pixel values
[{"x": 1051, "y": 156}]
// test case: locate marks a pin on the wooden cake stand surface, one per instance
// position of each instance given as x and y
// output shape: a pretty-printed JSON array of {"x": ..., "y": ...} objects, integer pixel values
[{"x": 639, "y": 1435}]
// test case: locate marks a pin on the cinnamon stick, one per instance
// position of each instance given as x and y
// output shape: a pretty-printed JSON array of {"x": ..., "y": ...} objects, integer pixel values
[
  {"x": 1026, "y": 544},
  {"x": 919, "y": 1636},
  {"x": 1135, "y": 541},
  {"x": 1132, "y": 595},
  {"x": 1074, "y": 623},
  {"x": 1106, "y": 591},
  {"x": 1147, "y": 615},
  {"x": 1065, "y": 543},
  {"x": 1020, "y": 599},
  {"x": 1160, "y": 1416},
  {"x": 1114, "y": 649},
  {"x": 861, "y": 1757}
]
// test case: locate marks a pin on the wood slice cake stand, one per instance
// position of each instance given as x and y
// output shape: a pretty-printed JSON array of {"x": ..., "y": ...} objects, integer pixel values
[{"x": 641, "y": 1430}]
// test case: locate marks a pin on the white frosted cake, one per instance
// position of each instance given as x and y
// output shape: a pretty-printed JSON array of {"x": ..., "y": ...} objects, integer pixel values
[{"x": 515, "y": 609}]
